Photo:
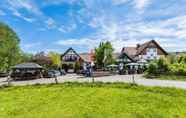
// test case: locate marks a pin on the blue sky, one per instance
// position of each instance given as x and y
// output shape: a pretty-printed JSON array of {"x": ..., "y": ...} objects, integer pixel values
[{"x": 55, "y": 25}]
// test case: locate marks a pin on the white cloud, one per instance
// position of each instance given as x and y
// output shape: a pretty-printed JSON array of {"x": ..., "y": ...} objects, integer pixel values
[
  {"x": 141, "y": 4},
  {"x": 30, "y": 6},
  {"x": 31, "y": 45},
  {"x": 50, "y": 22},
  {"x": 87, "y": 42},
  {"x": 62, "y": 29},
  {"x": 119, "y": 2},
  {"x": 67, "y": 29},
  {"x": 2, "y": 13},
  {"x": 170, "y": 33},
  {"x": 57, "y": 2},
  {"x": 18, "y": 14}
]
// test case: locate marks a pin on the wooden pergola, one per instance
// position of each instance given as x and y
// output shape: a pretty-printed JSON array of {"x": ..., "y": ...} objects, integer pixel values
[{"x": 27, "y": 71}]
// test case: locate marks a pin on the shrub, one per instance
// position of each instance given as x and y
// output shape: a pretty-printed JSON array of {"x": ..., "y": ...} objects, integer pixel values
[
  {"x": 159, "y": 66},
  {"x": 77, "y": 67},
  {"x": 162, "y": 65},
  {"x": 152, "y": 69},
  {"x": 178, "y": 69},
  {"x": 181, "y": 59}
]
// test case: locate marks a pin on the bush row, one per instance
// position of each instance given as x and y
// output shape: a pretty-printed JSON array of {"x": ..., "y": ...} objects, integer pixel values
[{"x": 163, "y": 66}]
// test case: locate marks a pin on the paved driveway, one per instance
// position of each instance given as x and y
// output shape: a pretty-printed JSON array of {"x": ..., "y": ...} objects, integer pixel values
[{"x": 115, "y": 78}]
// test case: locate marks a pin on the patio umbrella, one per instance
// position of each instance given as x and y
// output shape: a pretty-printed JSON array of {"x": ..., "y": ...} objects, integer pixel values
[
  {"x": 112, "y": 65},
  {"x": 132, "y": 64}
]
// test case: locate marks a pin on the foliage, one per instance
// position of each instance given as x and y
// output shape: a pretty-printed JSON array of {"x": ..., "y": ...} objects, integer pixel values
[
  {"x": 77, "y": 66},
  {"x": 84, "y": 100},
  {"x": 172, "y": 77},
  {"x": 162, "y": 67},
  {"x": 181, "y": 59},
  {"x": 42, "y": 59},
  {"x": 56, "y": 59},
  {"x": 159, "y": 66},
  {"x": 103, "y": 54},
  {"x": 152, "y": 69},
  {"x": 9, "y": 48},
  {"x": 178, "y": 69},
  {"x": 26, "y": 57}
]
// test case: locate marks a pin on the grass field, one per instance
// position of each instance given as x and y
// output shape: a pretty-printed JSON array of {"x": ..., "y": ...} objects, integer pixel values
[
  {"x": 73, "y": 100},
  {"x": 172, "y": 77}
]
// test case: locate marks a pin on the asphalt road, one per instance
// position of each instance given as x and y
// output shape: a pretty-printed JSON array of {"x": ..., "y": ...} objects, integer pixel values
[{"x": 138, "y": 79}]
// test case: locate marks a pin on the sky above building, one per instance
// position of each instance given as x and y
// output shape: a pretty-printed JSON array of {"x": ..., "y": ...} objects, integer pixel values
[{"x": 56, "y": 25}]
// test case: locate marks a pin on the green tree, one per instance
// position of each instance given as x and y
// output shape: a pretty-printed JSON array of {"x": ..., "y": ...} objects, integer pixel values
[
  {"x": 26, "y": 57},
  {"x": 56, "y": 59},
  {"x": 181, "y": 59},
  {"x": 9, "y": 48},
  {"x": 103, "y": 54},
  {"x": 77, "y": 67}
]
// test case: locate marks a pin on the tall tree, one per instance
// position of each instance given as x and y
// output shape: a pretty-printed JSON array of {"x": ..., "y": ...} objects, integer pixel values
[
  {"x": 26, "y": 57},
  {"x": 9, "y": 47},
  {"x": 56, "y": 59},
  {"x": 42, "y": 59},
  {"x": 103, "y": 54}
]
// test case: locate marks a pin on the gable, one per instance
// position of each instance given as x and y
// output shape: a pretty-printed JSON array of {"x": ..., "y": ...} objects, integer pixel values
[
  {"x": 150, "y": 44},
  {"x": 70, "y": 55},
  {"x": 125, "y": 58}
]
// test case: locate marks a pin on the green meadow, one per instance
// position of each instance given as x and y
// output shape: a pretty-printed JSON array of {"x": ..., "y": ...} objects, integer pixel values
[{"x": 86, "y": 100}]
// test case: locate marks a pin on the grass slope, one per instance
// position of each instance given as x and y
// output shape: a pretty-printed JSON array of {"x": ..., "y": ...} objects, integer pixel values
[{"x": 73, "y": 100}]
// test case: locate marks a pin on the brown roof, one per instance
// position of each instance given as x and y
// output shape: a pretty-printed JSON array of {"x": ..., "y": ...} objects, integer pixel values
[
  {"x": 131, "y": 51},
  {"x": 84, "y": 56},
  {"x": 142, "y": 47},
  {"x": 145, "y": 45},
  {"x": 134, "y": 51}
]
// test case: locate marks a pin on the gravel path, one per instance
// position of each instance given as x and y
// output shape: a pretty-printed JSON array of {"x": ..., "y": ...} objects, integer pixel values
[{"x": 115, "y": 78}]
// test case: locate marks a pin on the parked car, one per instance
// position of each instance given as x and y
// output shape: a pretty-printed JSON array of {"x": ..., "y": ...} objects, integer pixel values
[
  {"x": 4, "y": 74},
  {"x": 62, "y": 72},
  {"x": 51, "y": 73}
]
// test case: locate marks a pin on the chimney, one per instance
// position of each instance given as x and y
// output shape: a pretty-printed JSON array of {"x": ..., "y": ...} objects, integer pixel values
[
  {"x": 123, "y": 49},
  {"x": 138, "y": 45}
]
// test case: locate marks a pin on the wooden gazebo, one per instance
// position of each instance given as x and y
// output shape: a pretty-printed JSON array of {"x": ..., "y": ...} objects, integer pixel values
[{"x": 27, "y": 71}]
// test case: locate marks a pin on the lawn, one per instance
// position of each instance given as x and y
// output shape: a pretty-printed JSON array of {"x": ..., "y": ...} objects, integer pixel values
[
  {"x": 73, "y": 100},
  {"x": 172, "y": 77}
]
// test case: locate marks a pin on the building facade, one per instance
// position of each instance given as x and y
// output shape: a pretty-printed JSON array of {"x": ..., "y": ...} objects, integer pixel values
[
  {"x": 145, "y": 52},
  {"x": 70, "y": 57}
]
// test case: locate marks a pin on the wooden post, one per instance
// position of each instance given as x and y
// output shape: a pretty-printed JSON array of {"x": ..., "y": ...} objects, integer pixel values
[
  {"x": 56, "y": 81},
  {"x": 92, "y": 78},
  {"x": 41, "y": 75},
  {"x": 133, "y": 80},
  {"x": 9, "y": 81}
]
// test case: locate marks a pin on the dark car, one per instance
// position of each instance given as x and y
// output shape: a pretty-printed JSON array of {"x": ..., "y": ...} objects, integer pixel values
[
  {"x": 62, "y": 72},
  {"x": 52, "y": 73},
  {"x": 4, "y": 74}
]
